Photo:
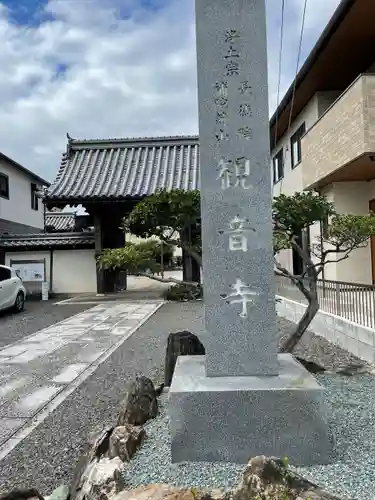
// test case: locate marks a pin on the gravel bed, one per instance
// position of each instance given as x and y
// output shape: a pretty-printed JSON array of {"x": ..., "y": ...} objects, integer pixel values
[
  {"x": 48, "y": 457},
  {"x": 36, "y": 316},
  {"x": 152, "y": 463},
  {"x": 351, "y": 406}
]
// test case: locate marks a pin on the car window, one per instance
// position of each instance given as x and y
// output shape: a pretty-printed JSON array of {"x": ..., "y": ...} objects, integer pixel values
[{"x": 5, "y": 274}]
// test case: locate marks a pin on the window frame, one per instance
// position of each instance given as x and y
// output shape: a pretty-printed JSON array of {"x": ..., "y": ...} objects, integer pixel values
[
  {"x": 6, "y": 177},
  {"x": 34, "y": 197},
  {"x": 5, "y": 270},
  {"x": 296, "y": 139},
  {"x": 277, "y": 156}
]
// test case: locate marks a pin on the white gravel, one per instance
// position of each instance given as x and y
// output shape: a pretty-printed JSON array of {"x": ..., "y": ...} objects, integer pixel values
[{"x": 351, "y": 405}]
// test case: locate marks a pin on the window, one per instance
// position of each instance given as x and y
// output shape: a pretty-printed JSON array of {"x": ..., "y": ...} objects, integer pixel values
[
  {"x": 295, "y": 145},
  {"x": 4, "y": 186},
  {"x": 4, "y": 274},
  {"x": 34, "y": 197},
  {"x": 278, "y": 166}
]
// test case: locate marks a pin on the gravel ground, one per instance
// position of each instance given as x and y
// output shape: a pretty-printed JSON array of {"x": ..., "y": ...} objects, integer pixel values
[
  {"x": 351, "y": 406},
  {"x": 47, "y": 458},
  {"x": 36, "y": 316}
]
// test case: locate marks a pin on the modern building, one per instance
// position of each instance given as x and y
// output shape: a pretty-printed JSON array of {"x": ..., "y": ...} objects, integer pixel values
[
  {"x": 323, "y": 131},
  {"x": 21, "y": 209}
]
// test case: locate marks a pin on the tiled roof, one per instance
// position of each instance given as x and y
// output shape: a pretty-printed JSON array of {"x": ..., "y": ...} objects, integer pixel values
[
  {"x": 125, "y": 168},
  {"x": 61, "y": 221},
  {"x": 47, "y": 240}
]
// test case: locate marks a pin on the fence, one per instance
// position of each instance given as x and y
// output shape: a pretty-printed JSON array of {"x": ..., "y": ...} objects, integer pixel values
[{"x": 353, "y": 301}]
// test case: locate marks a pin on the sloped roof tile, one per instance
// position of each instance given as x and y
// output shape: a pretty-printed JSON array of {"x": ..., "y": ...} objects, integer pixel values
[
  {"x": 108, "y": 169},
  {"x": 49, "y": 240},
  {"x": 61, "y": 221}
]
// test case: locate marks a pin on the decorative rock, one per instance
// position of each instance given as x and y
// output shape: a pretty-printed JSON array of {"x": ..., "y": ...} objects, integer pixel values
[
  {"x": 22, "y": 494},
  {"x": 140, "y": 403},
  {"x": 125, "y": 441},
  {"x": 156, "y": 492},
  {"x": 97, "y": 446},
  {"x": 269, "y": 478},
  {"x": 60, "y": 493},
  {"x": 180, "y": 344}
]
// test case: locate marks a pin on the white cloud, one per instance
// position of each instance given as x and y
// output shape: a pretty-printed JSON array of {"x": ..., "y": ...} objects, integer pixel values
[{"x": 133, "y": 76}]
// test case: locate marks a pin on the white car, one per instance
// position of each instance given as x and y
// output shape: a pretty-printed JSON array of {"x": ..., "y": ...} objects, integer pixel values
[{"x": 12, "y": 291}]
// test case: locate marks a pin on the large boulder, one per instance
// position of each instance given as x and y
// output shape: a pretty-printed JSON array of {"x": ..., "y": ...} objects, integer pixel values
[
  {"x": 140, "y": 403},
  {"x": 182, "y": 343},
  {"x": 125, "y": 441},
  {"x": 22, "y": 494},
  {"x": 268, "y": 478},
  {"x": 97, "y": 476}
]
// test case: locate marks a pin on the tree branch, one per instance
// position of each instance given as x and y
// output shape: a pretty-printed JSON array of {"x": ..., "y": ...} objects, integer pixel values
[{"x": 166, "y": 280}]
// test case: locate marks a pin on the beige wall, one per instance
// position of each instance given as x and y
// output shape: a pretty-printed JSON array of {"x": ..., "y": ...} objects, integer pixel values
[
  {"x": 351, "y": 198},
  {"x": 74, "y": 271},
  {"x": 342, "y": 134}
]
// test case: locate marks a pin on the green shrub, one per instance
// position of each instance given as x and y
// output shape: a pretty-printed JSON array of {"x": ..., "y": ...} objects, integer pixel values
[
  {"x": 154, "y": 247},
  {"x": 184, "y": 293}
]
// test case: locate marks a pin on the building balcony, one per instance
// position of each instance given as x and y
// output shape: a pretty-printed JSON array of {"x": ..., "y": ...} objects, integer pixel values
[{"x": 340, "y": 146}]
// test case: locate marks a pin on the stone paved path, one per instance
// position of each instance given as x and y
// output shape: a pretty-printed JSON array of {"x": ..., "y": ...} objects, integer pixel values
[{"x": 40, "y": 371}]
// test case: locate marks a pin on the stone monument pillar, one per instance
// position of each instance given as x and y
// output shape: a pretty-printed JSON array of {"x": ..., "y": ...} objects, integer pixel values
[{"x": 242, "y": 399}]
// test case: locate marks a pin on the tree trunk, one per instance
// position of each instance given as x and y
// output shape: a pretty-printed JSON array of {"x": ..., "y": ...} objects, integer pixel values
[
  {"x": 311, "y": 294},
  {"x": 302, "y": 326}
]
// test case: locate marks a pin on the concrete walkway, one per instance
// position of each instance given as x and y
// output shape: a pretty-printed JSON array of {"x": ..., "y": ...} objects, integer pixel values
[{"x": 39, "y": 372}]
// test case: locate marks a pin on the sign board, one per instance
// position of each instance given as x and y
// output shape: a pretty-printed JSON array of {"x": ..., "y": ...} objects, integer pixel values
[{"x": 30, "y": 271}]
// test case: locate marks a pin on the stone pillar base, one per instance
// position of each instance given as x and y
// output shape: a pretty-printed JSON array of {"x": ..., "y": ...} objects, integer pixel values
[{"x": 231, "y": 419}]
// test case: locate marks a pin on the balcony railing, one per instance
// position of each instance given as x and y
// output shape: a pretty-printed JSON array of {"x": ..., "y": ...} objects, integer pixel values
[{"x": 352, "y": 301}]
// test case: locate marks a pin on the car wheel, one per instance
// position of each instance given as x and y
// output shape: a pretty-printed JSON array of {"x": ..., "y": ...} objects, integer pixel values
[{"x": 20, "y": 302}]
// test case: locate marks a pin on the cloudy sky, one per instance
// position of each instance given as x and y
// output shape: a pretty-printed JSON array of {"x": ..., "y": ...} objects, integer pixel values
[{"x": 114, "y": 68}]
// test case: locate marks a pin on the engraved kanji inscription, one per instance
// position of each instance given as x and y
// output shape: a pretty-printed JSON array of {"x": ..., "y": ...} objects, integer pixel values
[
  {"x": 241, "y": 294},
  {"x": 232, "y": 53},
  {"x": 234, "y": 173},
  {"x": 221, "y": 94},
  {"x": 245, "y": 87},
  {"x": 232, "y": 68},
  {"x": 221, "y": 117},
  {"x": 237, "y": 234},
  {"x": 231, "y": 36},
  {"x": 245, "y": 110},
  {"x": 222, "y": 135},
  {"x": 245, "y": 132},
  {"x": 242, "y": 171}
]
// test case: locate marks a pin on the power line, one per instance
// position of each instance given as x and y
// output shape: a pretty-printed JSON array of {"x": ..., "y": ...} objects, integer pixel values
[
  {"x": 294, "y": 85},
  {"x": 279, "y": 75},
  {"x": 298, "y": 59}
]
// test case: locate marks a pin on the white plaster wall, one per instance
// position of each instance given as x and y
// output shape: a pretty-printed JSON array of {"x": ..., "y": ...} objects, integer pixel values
[
  {"x": 292, "y": 180},
  {"x": 74, "y": 271},
  {"x": 18, "y": 207}
]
